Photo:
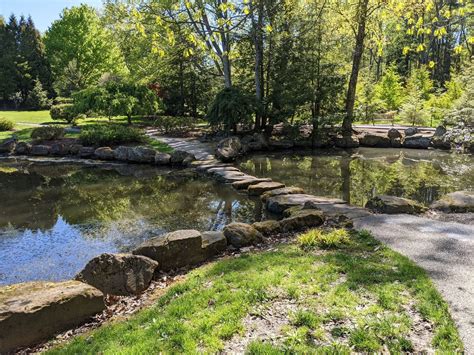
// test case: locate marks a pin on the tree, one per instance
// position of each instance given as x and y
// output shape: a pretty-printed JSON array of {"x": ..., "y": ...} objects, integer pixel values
[
  {"x": 38, "y": 97},
  {"x": 80, "y": 45},
  {"x": 230, "y": 108},
  {"x": 8, "y": 84},
  {"x": 116, "y": 97},
  {"x": 389, "y": 89}
]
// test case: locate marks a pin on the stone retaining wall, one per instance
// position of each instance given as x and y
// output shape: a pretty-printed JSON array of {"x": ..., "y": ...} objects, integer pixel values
[{"x": 135, "y": 154}]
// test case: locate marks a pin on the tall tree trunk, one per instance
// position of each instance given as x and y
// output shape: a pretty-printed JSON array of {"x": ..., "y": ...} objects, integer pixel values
[
  {"x": 356, "y": 60},
  {"x": 257, "y": 29}
]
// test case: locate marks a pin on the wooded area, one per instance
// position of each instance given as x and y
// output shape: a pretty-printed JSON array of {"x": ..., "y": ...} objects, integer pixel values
[{"x": 251, "y": 62}]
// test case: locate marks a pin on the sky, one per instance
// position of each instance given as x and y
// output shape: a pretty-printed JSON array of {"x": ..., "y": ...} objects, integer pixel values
[{"x": 43, "y": 12}]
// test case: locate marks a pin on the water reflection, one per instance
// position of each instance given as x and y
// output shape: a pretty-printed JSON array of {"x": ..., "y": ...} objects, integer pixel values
[
  {"x": 53, "y": 219},
  {"x": 422, "y": 175}
]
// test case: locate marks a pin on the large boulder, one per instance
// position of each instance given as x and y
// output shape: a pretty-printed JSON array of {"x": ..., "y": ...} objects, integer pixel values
[
  {"x": 417, "y": 141},
  {"x": 23, "y": 148},
  {"x": 303, "y": 219},
  {"x": 459, "y": 201},
  {"x": 104, "y": 153},
  {"x": 8, "y": 145},
  {"x": 411, "y": 131},
  {"x": 374, "y": 140},
  {"x": 39, "y": 149},
  {"x": 174, "y": 250},
  {"x": 86, "y": 152},
  {"x": 393, "y": 133},
  {"x": 261, "y": 187},
  {"x": 268, "y": 228},
  {"x": 213, "y": 243},
  {"x": 440, "y": 142},
  {"x": 394, "y": 205},
  {"x": 121, "y": 153},
  {"x": 346, "y": 142},
  {"x": 290, "y": 190},
  {"x": 241, "y": 235},
  {"x": 141, "y": 154},
  {"x": 244, "y": 184},
  {"x": 119, "y": 274},
  {"x": 181, "y": 157},
  {"x": 440, "y": 131},
  {"x": 35, "y": 311},
  {"x": 162, "y": 159},
  {"x": 74, "y": 149},
  {"x": 59, "y": 149},
  {"x": 229, "y": 149},
  {"x": 278, "y": 204}
]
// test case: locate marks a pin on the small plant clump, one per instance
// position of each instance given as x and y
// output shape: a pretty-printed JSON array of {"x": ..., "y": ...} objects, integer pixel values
[
  {"x": 47, "y": 133},
  {"x": 111, "y": 134},
  {"x": 317, "y": 238},
  {"x": 5, "y": 125}
]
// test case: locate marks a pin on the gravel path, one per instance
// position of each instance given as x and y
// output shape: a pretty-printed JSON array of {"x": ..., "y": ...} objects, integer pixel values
[
  {"x": 201, "y": 151},
  {"x": 444, "y": 249}
]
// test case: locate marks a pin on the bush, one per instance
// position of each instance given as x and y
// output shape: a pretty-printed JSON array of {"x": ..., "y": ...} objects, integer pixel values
[
  {"x": 230, "y": 108},
  {"x": 62, "y": 100},
  {"x": 112, "y": 134},
  {"x": 47, "y": 133},
  {"x": 170, "y": 124},
  {"x": 5, "y": 125},
  {"x": 317, "y": 238},
  {"x": 62, "y": 112}
]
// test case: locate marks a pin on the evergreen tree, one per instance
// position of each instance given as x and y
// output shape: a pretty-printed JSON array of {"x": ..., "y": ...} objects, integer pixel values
[
  {"x": 8, "y": 79},
  {"x": 38, "y": 97}
]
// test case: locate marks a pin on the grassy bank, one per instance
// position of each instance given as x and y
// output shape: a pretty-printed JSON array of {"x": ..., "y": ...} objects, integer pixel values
[{"x": 360, "y": 296}]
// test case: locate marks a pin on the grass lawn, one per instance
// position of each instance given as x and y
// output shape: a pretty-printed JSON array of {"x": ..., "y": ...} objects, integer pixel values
[{"x": 360, "y": 296}]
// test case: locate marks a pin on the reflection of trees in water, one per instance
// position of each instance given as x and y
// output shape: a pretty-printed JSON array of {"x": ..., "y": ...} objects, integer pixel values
[
  {"x": 423, "y": 177},
  {"x": 96, "y": 195}
]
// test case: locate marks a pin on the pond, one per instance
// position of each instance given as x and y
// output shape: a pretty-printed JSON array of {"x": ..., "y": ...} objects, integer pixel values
[
  {"x": 56, "y": 217},
  {"x": 422, "y": 175}
]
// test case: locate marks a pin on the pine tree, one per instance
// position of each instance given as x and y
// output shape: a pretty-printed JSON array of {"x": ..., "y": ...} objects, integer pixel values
[
  {"x": 38, "y": 97},
  {"x": 8, "y": 79}
]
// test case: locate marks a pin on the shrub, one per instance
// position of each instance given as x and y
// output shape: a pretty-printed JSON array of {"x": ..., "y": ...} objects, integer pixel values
[
  {"x": 62, "y": 100},
  {"x": 5, "y": 125},
  {"x": 47, "y": 133},
  {"x": 317, "y": 238},
  {"x": 230, "y": 108},
  {"x": 170, "y": 124},
  {"x": 63, "y": 112},
  {"x": 112, "y": 134}
]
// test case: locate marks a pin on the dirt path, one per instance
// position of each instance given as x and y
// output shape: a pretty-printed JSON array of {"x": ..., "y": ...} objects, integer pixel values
[
  {"x": 444, "y": 249},
  {"x": 200, "y": 150}
]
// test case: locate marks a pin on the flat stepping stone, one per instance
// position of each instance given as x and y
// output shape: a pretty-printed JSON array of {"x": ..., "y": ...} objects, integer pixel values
[
  {"x": 283, "y": 191},
  {"x": 219, "y": 170},
  {"x": 244, "y": 184},
  {"x": 237, "y": 178},
  {"x": 230, "y": 176},
  {"x": 352, "y": 212},
  {"x": 278, "y": 204},
  {"x": 260, "y": 188},
  {"x": 459, "y": 201}
]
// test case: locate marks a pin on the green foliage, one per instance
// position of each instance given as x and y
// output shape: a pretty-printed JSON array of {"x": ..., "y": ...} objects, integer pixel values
[
  {"x": 389, "y": 90},
  {"x": 463, "y": 111},
  {"x": 230, "y": 108},
  {"x": 173, "y": 124},
  {"x": 317, "y": 238},
  {"x": 38, "y": 98},
  {"x": 6, "y": 125},
  {"x": 116, "y": 97},
  {"x": 367, "y": 101},
  {"x": 24, "y": 69},
  {"x": 420, "y": 81},
  {"x": 63, "y": 112},
  {"x": 110, "y": 135},
  {"x": 47, "y": 133},
  {"x": 81, "y": 49},
  {"x": 413, "y": 110}
]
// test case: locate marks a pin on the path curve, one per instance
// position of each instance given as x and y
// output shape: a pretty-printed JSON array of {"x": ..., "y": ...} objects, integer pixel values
[
  {"x": 444, "y": 249},
  {"x": 201, "y": 151}
]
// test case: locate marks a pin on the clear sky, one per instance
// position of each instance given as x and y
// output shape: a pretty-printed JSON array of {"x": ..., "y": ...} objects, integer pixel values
[{"x": 43, "y": 12}]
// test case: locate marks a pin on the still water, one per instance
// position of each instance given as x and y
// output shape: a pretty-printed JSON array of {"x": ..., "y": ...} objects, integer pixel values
[
  {"x": 422, "y": 175},
  {"x": 56, "y": 217}
]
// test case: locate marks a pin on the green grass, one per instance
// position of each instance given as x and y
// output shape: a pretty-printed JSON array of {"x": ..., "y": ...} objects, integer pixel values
[{"x": 354, "y": 297}]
